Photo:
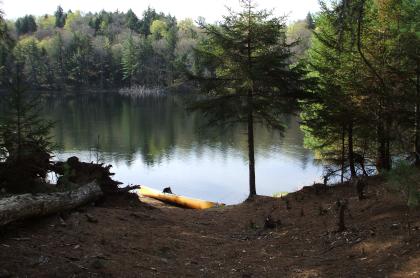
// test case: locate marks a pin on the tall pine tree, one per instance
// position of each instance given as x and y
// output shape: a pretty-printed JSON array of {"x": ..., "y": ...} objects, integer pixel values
[{"x": 249, "y": 77}]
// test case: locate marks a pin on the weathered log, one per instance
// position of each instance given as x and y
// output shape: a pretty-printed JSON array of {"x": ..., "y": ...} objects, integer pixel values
[{"x": 35, "y": 205}]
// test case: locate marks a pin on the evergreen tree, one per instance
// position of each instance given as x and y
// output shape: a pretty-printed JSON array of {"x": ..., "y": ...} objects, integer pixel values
[
  {"x": 333, "y": 116},
  {"x": 310, "y": 23},
  {"x": 129, "y": 60},
  {"x": 103, "y": 60},
  {"x": 25, "y": 25},
  {"x": 24, "y": 140},
  {"x": 250, "y": 76},
  {"x": 6, "y": 46},
  {"x": 28, "y": 53},
  {"x": 365, "y": 56},
  {"x": 132, "y": 21},
  {"x": 79, "y": 60},
  {"x": 58, "y": 59},
  {"x": 149, "y": 16},
  {"x": 60, "y": 17}
]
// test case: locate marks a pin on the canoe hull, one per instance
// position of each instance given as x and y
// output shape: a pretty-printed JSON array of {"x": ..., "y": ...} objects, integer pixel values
[{"x": 175, "y": 199}]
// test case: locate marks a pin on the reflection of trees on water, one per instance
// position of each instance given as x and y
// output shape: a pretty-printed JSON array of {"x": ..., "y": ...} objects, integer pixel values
[{"x": 155, "y": 128}]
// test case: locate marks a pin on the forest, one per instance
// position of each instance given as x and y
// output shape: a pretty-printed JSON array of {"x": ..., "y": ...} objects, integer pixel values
[
  {"x": 101, "y": 50},
  {"x": 365, "y": 57},
  {"x": 346, "y": 78},
  {"x": 107, "y": 49}
]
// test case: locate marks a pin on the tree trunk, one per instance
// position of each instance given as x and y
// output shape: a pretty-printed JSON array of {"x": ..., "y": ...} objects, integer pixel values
[
  {"x": 343, "y": 152},
  {"x": 252, "y": 188},
  {"x": 350, "y": 151},
  {"x": 29, "y": 205},
  {"x": 341, "y": 206},
  {"x": 417, "y": 118},
  {"x": 383, "y": 161}
]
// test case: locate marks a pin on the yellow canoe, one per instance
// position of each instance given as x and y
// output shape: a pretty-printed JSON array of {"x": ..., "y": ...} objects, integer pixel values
[{"x": 176, "y": 199}]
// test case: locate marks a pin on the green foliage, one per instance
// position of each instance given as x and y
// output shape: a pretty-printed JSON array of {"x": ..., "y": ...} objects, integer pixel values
[
  {"x": 45, "y": 22},
  {"x": 24, "y": 142},
  {"x": 365, "y": 103},
  {"x": 25, "y": 25},
  {"x": 148, "y": 17},
  {"x": 247, "y": 53},
  {"x": 186, "y": 39},
  {"x": 60, "y": 17},
  {"x": 129, "y": 59},
  {"x": 102, "y": 49},
  {"x": 404, "y": 178},
  {"x": 79, "y": 59},
  {"x": 6, "y": 46},
  {"x": 163, "y": 49},
  {"x": 28, "y": 53},
  {"x": 159, "y": 29},
  {"x": 72, "y": 20},
  {"x": 310, "y": 23},
  {"x": 248, "y": 74},
  {"x": 58, "y": 58},
  {"x": 132, "y": 20},
  {"x": 101, "y": 22},
  {"x": 105, "y": 49},
  {"x": 187, "y": 28}
]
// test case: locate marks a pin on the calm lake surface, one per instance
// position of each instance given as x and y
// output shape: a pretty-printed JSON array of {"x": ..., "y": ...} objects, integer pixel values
[{"x": 158, "y": 143}]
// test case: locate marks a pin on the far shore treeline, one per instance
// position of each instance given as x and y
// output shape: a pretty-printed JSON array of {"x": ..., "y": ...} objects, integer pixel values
[
  {"x": 102, "y": 50},
  {"x": 65, "y": 50}
]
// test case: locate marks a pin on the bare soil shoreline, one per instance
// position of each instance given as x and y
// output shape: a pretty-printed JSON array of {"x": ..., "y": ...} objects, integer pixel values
[{"x": 122, "y": 237}]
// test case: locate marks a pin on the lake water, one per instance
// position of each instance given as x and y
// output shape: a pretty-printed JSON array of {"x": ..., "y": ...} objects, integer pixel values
[{"x": 158, "y": 143}]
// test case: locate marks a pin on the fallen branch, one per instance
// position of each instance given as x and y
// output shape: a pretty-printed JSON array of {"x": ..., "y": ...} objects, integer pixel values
[{"x": 127, "y": 189}]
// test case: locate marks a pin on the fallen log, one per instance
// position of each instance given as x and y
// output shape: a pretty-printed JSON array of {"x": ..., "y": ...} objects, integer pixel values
[{"x": 35, "y": 205}]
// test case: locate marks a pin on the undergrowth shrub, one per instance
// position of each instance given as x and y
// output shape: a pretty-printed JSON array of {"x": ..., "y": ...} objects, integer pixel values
[{"x": 405, "y": 179}]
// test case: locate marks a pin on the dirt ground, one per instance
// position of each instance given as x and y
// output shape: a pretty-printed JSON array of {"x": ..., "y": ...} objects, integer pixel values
[{"x": 122, "y": 237}]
